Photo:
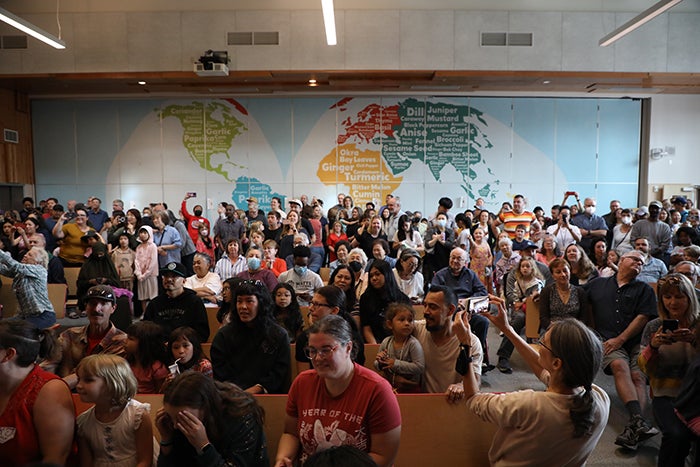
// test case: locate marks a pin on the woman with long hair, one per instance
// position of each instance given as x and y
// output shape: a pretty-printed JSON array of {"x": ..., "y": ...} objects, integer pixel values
[
  {"x": 252, "y": 351},
  {"x": 559, "y": 426},
  {"x": 286, "y": 310},
  {"x": 599, "y": 257},
  {"x": 204, "y": 422},
  {"x": 668, "y": 349},
  {"x": 562, "y": 299},
  {"x": 406, "y": 236},
  {"x": 98, "y": 269},
  {"x": 582, "y": 269},
  {"x": 382, "y": 291},
  {"x": 343, "y": 277}
]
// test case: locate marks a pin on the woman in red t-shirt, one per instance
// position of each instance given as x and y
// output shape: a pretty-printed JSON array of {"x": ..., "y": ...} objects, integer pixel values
[{"x": 338, "y": 402}]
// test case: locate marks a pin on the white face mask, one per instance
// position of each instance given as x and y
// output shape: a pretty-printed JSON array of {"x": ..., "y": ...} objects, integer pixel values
[
  {"x": 590, "y": 209},
  {"x": 626, "y": 220}
]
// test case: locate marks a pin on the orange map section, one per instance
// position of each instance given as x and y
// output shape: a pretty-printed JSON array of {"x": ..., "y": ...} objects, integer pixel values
[{"x": 364, "y": 172}]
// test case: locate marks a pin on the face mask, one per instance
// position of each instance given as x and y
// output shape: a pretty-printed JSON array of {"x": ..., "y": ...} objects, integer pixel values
[
  {"x": 626, "y": 220},
  {"x": 197, "y": 212},
  {"x": 590, "y": 209},
  {"x": 356, "y": 266},
  {"x": 254, "y": 263},
  {"x": 301, "y": 270},
  {"x": 442, "y": 223},
  {"x": 205, "y": 232}
]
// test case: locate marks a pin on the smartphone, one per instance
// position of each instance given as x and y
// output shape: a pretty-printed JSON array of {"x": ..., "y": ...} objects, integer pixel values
[
  {"x": 192, "y": 194},
  {"x": 570, "y": 193},
  {"x": 477, "y": 305},
  {"x": 670, "y": 325}
]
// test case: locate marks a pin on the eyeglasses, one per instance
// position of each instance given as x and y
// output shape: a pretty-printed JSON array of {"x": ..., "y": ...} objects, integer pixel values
[
  {"x": 671, "y": 279},
  {"x": 541, "y": 342},
  {"x": 323, "y": 352},
  {"x": 319, "y": 305}
]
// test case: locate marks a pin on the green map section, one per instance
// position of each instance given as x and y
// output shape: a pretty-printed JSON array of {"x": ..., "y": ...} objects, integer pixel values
[
  {"x": 209, "y": 129},
  {"x": 436, "y": 134}
]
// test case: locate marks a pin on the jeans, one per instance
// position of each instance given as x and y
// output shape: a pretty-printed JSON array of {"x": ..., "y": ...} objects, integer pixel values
[
  {"x": 42, "y": 321},
  {"x": 675, "y": 436}
]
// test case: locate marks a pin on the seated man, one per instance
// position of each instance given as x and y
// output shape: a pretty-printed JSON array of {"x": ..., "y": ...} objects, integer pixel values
[
  {"x": 315, "y": 260},
  {"x": 178, "y": 306},
  {"x": 440, "y": 345},
  {"x": 304, "y": 281},
  {"x": 99, "y": 336},
  {"x": 653, "y": 269},
  {"x": 29, "y": 285},
  {"x": 465, "y": 283}
]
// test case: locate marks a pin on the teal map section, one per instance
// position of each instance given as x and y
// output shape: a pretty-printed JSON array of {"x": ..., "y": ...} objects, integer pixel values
[{"x": 247, "y": 187}]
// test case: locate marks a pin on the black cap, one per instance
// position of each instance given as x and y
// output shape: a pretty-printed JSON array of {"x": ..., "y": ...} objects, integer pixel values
[
  {"x": 102, "y": 292},
  {"x": 526, "y": 245},
  {"x": 88, "y": 235},
  {"x": 174, "y": 268}
]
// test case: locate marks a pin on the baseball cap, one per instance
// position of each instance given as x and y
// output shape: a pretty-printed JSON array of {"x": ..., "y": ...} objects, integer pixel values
[
  {"x": 102, "y": 292},
  {"x": 174, "y": 268},
  {"x": 252, "y": 199},
  {"x": 295, "y": 201},
  {"x": 642, "y": 211},
  {"x": 525, "y": 245},
  {"x": 657, "y": 204},
  {"x": 680, "y": 200}
]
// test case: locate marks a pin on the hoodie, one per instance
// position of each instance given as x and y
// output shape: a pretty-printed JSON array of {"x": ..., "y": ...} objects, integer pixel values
[{"x": 146, "y": 263}]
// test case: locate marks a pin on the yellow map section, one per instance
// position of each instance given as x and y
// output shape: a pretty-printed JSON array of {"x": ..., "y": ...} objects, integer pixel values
[{"x": 363, "y": 171}]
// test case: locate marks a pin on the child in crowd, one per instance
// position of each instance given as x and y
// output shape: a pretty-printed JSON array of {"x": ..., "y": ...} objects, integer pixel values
[
  {"x": 145, "y": 352},
  {"x": 519, "y": 241},
  {"x": 286, "y": 310},
  {"x": 117, "y": 431},
  {"x": 124, "y": 258},
  {"x": 186, "y": 350},
  {"x": 146, "y": 268},
  {"x": 257, "y": 237},
  {"x": 270, "y": 259},
  {"x": 204, "y": 243},
  {"x": 481, "y": 259},
  {"x": 400, "y": 358}
]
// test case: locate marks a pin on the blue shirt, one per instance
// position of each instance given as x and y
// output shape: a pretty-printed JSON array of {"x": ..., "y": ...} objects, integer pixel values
[
  {"x": 465, "y": 284},
  {"x": 169, "y": 236},
  {"x": 97, "y": 218}
]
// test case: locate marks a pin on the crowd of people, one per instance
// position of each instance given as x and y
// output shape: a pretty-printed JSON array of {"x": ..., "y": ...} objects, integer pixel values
[{"x": 600, "y": 285}]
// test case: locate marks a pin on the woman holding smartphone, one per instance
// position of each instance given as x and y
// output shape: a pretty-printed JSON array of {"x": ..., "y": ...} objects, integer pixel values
[{"x": 668, "y": 344}]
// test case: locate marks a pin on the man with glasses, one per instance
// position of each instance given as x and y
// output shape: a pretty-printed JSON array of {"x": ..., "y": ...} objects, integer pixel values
[
  {"x": 441, "y": 346},
  {"x": 691, "y": 271},
  {"x": 622, "y": 306},
  {"x": 178, "y": 306},
  {"x": 590, "y": 224}
]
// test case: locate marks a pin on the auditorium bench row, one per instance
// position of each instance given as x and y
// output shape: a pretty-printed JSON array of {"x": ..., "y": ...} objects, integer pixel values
[{"x": 433, "y": 432}]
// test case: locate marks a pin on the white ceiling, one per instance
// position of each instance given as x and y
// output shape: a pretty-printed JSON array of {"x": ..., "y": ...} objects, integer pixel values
[{"x": 43, "y": 6}]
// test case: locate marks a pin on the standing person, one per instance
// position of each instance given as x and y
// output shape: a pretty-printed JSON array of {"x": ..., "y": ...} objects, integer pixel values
[
  {"x": 98, "y": 269},
  {"x": 382, "y": 291},
  {"x": 622, "y": 306},
  {"x": 72, "y": 252},
  {"x": 37, "y": 414},
  {"x": 621, "y": 239},
  {"x": 656, "y": 232},
  {"x": 124, "y": 258},
  {"x": 252, "y": 351},
  {"x": 508, "y": 260},
  {"x": 167, "y": 239},
  {"x": 146, "y": 268},
  {"x": 360, "y": 407},
  {"x": 511, "y": 218},
  {"x": 481, "y": 259},
  {"x": 195, "y": 220},
  {"x": 564, "y": 232},
  {"x": 406, "y": 236},
  {"x": 589, "y": 223},
  {"x": 439, "y": 241},
  {"x": 29, "y": 283},
  {"x": 96, "y": 215},
  {"x": 204, "y": 243},
  {"x": 228, "y": 228},
  {"x": 117, "y": 430},
  {"x": 203, "y": 422},
  {"x": 665, "y": 359},
  {"x": 253, "y": 213},
  {"x": 368, "y": 233},
  {"x": 560, "y": 426},
  {"x": 336, "y": 235}
]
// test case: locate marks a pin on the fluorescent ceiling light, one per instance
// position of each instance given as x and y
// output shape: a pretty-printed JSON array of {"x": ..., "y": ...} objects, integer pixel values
[
  {"x": 30, "y": 29},
  {"x": 642, "y": 18},
  {"x": 329, "y": 21}
]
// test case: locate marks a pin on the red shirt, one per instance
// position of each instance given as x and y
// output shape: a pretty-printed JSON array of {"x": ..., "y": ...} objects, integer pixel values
[{"x": 367, "y": 406}]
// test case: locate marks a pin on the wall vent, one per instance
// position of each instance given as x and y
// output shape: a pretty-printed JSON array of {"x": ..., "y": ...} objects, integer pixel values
[
  {"x": 253, "y": 38},
  {"x": 13, "y": 42},
  {"x": 11, "y": 136},
  {"x": 504, "y": 39},
  {"x": 520, "y": 39}
]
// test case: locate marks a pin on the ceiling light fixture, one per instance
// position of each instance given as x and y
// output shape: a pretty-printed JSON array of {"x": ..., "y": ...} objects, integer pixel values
[
  {"x": 642, "y": 18},
  {"x": 29, "y": 28},
  {"x": 329, "y": 21}
]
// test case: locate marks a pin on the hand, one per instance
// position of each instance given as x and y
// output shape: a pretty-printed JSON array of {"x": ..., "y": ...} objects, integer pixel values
[
  {"x": 455, "y": 393},
  {"x": 612, "y": 345},
  {"x": 192, "y": 428},
  {"x": 187, "y": 196},
  {"x": 461, "y": 329},
  {"x": 660, "y": 338},
  {"x": 164, "y": 424},
  {"x": 284, "y": 462},
  {"x": 21, "y": 231},
  {"x": 500, "y": 320},
  {"x": 683, "y": 335}
]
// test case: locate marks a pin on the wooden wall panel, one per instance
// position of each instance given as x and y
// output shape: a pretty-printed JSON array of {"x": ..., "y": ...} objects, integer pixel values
[{"x": 16, "y": 160}]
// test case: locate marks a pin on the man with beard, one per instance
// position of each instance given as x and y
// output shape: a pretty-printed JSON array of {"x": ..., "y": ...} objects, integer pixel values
[{"x": 441, "y": 347}]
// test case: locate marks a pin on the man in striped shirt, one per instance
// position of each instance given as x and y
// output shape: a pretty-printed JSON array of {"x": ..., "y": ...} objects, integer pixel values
[{"x": 518, "y": 215}]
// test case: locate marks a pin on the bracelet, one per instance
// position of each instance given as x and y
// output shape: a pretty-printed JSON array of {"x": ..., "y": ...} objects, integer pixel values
[{"x": 166, "y": 443}]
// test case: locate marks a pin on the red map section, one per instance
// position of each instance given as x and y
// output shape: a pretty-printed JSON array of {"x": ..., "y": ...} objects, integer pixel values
[{"x": 371, "y": 121}]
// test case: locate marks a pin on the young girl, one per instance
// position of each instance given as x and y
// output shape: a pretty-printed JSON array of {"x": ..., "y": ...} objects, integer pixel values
[
  {"x": 117, "y": 431},
  {"x": 146, "y": 267},
  {"x": 270, "y": 259},
  {"x": 204, "y": 243},
  {"x": 400, "y": 358},
  {"x": 123, "y": 258},
  {"x": 186, "y": 350},
  {"x": 286, "y": 310},
  {"x": 145, "y": 352},
  {"x": 481, "y": 259}
]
